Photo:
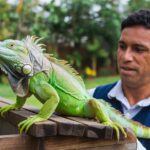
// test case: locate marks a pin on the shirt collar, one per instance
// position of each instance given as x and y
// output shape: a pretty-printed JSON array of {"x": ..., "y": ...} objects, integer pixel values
[{"x": 117, "y": 93}]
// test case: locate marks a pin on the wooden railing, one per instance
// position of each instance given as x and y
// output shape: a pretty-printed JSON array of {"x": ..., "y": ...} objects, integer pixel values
[{"x": 59, "y": 132}]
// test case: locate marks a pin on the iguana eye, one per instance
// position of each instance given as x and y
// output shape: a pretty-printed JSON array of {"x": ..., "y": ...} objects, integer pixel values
[{"x": 11, "y": 45}]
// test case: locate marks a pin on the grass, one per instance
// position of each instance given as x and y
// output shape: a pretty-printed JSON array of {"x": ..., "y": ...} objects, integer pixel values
[
  {"x": 93, "y": 82},
  {"x": 6, "y": 91}
]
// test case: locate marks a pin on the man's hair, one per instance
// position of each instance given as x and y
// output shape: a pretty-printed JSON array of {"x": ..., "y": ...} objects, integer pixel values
[{"x": 141, "y": 17}]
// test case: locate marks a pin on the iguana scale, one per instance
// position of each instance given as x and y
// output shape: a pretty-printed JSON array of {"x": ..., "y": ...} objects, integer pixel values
[{"x": 55, "y": 84}]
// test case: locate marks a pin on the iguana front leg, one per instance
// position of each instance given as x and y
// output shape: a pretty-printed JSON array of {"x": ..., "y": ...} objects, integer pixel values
[
  {"x": 19, "y": 103},
  {"x": 47, "y": 92},
  {"x": 101, "y": 114}
]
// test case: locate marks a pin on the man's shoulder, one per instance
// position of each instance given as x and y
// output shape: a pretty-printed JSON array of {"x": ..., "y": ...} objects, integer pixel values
[
  {"x": 103, "y": 90},
  {"x": 106, "y": 87}
]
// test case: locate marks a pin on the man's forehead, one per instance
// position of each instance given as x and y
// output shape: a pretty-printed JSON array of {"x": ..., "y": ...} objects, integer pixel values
[
  {"x": 136, "y": 34},
  {"x": 137, "y": 30}
]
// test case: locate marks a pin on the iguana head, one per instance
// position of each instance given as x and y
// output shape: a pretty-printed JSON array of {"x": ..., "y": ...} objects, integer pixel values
[
  {"x": 14, "y": 58},
  {"x": 20, "y": 60}
]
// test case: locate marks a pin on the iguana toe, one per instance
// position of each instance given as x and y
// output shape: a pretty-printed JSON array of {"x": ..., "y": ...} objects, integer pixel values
[
  {"x": 26, "y": 124},
  {"x": 7, "y": 108},
  {"x": 116, "y": 127}
]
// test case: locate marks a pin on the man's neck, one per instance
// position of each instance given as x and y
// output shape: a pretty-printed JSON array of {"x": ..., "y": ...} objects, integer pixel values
[{"x": 137, "y": 93}]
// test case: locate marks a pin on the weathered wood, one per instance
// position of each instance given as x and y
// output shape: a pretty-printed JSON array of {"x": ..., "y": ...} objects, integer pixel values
[
  {"x": 17, "y": 142},
  {"x": 62, "y": 133},
  {"x": 7, "y": 128},
  {"x": 25, "y": 142},
  {"x": 74, "y": 126},
  {"x": 64, "y": 126},
  {"x": 40, "y": 129},
  {"x": 68, "y": 127},
  {"x": 80, "y": 143},
  {"x": 94, "y": 129}
]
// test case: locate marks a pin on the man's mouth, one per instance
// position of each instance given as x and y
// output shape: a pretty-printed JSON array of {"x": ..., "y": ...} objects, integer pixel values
[{"x": 125, "y": 70}]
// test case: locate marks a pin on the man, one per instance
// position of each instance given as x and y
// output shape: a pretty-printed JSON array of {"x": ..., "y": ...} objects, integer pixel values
[{"x": 131, "y": 95}]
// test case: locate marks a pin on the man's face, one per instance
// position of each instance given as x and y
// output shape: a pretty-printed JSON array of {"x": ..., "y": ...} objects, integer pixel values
[{"x": 134, "y": 56}]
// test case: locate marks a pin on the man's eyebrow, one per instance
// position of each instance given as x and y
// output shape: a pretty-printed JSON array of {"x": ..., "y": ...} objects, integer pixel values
[
  {"x": 134, "y": 44},
  {"x": 121, "y": 42},
  {"x": 137, "y": 44},
  {"x": 140, "y": 45}
]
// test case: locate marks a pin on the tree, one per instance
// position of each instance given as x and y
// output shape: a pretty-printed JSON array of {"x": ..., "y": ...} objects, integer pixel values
[
  {"x": 134, "y": 5},
  {"x": 75, "y": 24},
  {"x": 5, "y": 28},
  {"x": 82, "y": 31}
]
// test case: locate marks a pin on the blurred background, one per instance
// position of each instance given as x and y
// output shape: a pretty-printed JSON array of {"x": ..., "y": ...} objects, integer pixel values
[{"x": 84, "y": 32}]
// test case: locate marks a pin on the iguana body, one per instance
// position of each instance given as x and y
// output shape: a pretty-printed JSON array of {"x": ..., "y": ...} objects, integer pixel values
[{"x": 56, "y": 85}]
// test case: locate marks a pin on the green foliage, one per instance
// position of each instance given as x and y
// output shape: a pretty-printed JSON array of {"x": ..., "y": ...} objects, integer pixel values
[
  {"x": 135, "y": 5},
  {"x": 93, "y": 82},
  {"x": 75, "y": 29},
  {"x": 5, "y": 29},
  {"x": 75, "y": 59}
]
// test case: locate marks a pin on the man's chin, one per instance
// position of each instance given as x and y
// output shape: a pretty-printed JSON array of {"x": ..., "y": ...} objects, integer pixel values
[{"x": 129, "y": 81}]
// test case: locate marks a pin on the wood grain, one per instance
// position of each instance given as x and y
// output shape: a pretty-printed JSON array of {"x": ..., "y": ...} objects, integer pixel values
[{"x": 59, "y": 132}]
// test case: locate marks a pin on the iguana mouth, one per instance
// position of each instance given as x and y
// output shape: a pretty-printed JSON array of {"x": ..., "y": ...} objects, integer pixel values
[
  {"x": 5, "y": 52},
  {"x": 18, "y": 82}
]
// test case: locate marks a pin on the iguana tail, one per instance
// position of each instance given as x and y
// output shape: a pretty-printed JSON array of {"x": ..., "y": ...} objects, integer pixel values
[{"x": 140, "y": 130}]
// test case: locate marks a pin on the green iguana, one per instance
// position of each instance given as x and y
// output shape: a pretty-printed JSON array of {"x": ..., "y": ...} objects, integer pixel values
[{"x": 55, "y": 84}]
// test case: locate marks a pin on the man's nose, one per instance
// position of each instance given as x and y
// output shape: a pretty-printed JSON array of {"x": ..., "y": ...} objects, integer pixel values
[{"x": 128, "y": 55}]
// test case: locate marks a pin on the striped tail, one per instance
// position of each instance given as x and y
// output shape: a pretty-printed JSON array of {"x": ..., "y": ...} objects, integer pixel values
[{"x": 140, "y": 130}]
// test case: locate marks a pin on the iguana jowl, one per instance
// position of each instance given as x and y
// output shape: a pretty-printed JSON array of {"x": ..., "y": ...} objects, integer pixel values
[{"x": 55, "y": 84}]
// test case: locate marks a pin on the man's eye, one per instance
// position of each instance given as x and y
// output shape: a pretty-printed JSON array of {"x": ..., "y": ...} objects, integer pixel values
[
  {"x": 139, "y": 49},
  {"x": 122, "y": 46}
]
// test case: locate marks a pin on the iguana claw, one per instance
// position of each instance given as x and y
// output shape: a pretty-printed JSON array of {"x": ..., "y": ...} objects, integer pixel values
[
  {"x": 116, "y": 127},
  {"x": 26, "y": 124},
  {"x": 7, "y": 108}
]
